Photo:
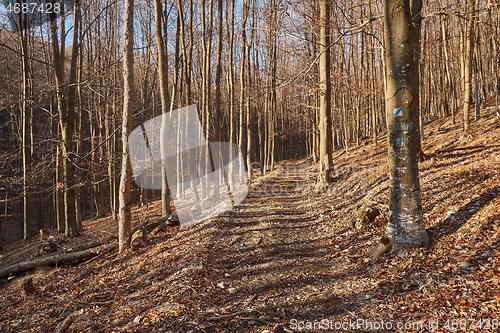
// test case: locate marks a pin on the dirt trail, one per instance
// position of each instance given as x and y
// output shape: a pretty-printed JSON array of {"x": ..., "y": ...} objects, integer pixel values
[
  {"x": 287, "y": 255},
  {"x": 272, "y": 257}
]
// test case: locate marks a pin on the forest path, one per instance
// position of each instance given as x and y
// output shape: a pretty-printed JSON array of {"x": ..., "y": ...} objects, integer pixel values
[
  {"x": 272, "y": 257},
  {"x": 287, "y": 257}
]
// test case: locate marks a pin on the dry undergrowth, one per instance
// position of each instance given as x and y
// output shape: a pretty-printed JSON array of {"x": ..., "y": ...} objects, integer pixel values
[{"x": 289, "y": 253}]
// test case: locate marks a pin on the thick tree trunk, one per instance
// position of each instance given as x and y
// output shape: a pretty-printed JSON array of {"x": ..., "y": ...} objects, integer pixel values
[{"x": 402, "y": 39}]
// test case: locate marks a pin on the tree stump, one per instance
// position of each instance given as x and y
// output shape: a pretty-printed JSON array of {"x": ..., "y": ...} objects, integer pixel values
[
  {"x": 364, "y": 216},
  {"x": 27, "y": 288},
  {"x": 50, "y": 245},
  {"x": 385, "y": 245},
  {"x": 139, "y": 236}
]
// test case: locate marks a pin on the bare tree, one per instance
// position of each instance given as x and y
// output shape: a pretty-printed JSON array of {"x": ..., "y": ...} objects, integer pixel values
[
  {"x": 163, "y": 73},
  {"x": 27, "y": 115},
  {"x": 243, "y": 74},
  {"x": 66, "y": 110},
  {"x": 467, "y": 62},
  {"x": 218, "y": 101},
  {"x": 402, "y": 39},
  {"x": 325, "y": 118},
  {"x": 124, "y": 213}
]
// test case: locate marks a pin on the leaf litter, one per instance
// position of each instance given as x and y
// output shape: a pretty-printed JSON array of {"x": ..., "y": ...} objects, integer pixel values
[{"x": 288, "y": 253}]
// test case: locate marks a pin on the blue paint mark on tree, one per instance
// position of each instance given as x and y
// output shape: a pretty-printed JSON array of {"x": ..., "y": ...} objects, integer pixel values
[
  {"x": 400, "y": 142},
  {"x": 398, "y": 112}
]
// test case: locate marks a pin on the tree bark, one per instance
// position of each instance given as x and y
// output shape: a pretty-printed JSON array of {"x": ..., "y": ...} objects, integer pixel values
[
  {"x": 124, "y": 213},
  {"x": 26, "y": 113},
  {"x": 66, "y": 114},
  {"x": 402, "y": 39},
  {"x": 467, "y": 70},
  {"x": 70, "y": 193},
  {"x": 218, "y": 89},
  {"x": 163, "y": 74},
  {"x": 230, "y": 26},
  {"x": 325, "y": 95}
]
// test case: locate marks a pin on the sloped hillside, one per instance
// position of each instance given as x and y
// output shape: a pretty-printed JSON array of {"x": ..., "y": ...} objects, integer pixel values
[{"x": 289, "y": 258}]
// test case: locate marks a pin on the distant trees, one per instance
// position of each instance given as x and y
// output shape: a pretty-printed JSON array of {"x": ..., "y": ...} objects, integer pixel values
[{"x": 282, "y": 79}]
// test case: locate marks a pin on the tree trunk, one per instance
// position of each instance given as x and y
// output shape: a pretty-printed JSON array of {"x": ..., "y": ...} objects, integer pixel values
[
  {"x": 447, "y": 67},
  {"x": 69, "y": 125},
  {"x": 58, "y": 197},
  {"x": 495, "y": 65},
  {"x": 241, "y": 111},
  {"x": 325, "y": 121},
  {"x": 26, "y": 90},
  {"x": 66, "y": 114},
  {"x": 402, "y": 40},
  {"x": 218, "y": 89},
  {"x": 163, "y": 74},
  {"x": 124, "y": 213},
  {"x": 467, "y": 70},
  {"x": 230, "y": 26},
  {"x": 248, "y": 105}
]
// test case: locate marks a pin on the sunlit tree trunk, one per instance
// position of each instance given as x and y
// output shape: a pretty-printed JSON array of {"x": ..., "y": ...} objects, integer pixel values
[
  {"x": 402, "y": 39},
  {"x": 230, "y": 26},
  {"x": 243, "y": 74},
  {"x": 496, "y": 61},
  {"x": 325, "y": 96},
  {"x": 124, "y": 213},
  {"x": 467, "y": 63},
  {"x": 206, "y": 45},
  {"x": 163, "y": 75},
  {"x": 448, "y": 73},
  {"x": 248, "y": 105}
]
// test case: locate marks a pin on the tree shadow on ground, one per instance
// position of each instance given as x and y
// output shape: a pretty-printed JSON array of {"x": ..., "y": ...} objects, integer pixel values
[{"x": 453, "y": 222}]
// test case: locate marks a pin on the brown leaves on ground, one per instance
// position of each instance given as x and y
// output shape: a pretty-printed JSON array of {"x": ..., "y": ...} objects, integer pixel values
[{"x": 287, "y": 256}]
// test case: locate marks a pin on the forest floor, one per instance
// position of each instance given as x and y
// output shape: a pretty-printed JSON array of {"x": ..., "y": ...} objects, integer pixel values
[{"x": 288, "y": 259}]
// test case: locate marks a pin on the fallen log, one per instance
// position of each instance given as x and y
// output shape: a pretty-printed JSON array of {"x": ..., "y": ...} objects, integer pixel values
[
  {"x": 55, "y": 259},
  {"x": 153, "y": 224},
  {"x": 171, "y": 220}
]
